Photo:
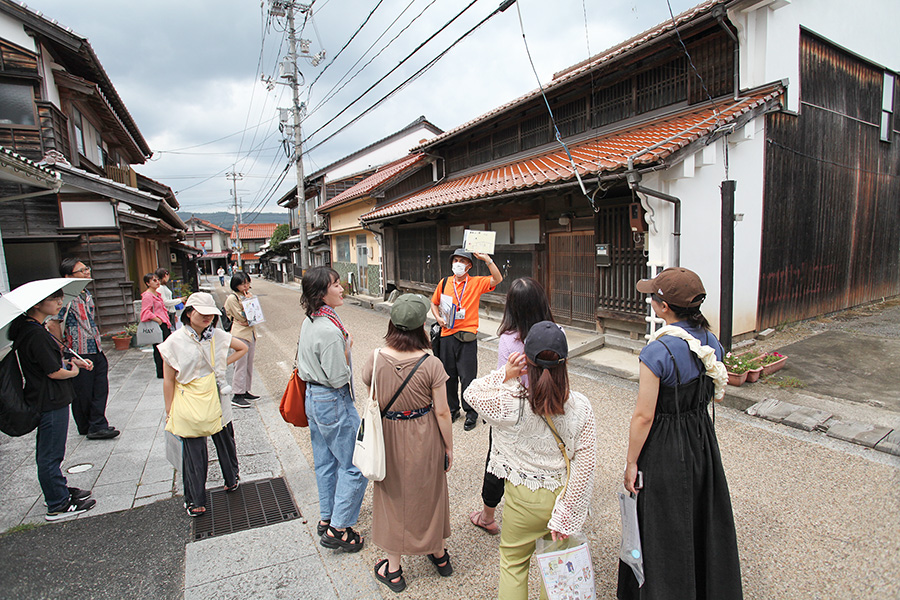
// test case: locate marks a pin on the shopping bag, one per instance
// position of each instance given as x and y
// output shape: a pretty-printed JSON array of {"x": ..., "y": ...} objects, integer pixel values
[
  {"x": 173, "y": 450},
  {"x": 196, "y": 410},
  {"x": 368, "y": 453},
  {"x": 293, "y": 402},
  {"x": 630, "y": 550},
  {"x": 566, "y": 568}
]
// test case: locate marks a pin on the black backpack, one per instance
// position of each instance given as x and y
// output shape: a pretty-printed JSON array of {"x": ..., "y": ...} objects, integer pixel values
[{"x": 17, "y": 417}]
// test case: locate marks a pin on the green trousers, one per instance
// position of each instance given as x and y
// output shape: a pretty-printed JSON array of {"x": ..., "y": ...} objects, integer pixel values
[{"x": 525, "y": 518}]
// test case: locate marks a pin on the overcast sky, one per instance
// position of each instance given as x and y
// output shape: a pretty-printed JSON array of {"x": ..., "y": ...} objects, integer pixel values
[{"x": 189, "y": 72}]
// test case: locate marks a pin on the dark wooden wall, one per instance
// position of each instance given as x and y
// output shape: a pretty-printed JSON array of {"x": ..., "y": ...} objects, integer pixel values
[
  {"x": 831, "y": 224},
  {"x": 112, "y": 290}
]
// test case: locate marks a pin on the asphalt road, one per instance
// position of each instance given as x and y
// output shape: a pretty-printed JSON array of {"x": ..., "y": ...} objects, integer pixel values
[{"x": 816, "y": 518}]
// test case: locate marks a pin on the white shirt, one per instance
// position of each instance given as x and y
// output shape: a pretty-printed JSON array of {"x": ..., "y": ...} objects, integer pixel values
[{"x": 166, "y": 294}]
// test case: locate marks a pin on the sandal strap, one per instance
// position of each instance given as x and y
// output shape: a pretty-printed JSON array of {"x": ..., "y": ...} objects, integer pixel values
[
  {"x": 352, "y": 536},
  {"x": 442, "y": 560}
]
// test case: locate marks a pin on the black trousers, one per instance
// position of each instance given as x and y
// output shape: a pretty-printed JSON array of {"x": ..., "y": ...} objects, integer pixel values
[
  {"x": 461, "y": 363},
  {"x": 195, "y": 464},
  {"x": 492, "y": 488},
  {"x": 157, "y": 357},
  {"x": 91, "y": 394}
]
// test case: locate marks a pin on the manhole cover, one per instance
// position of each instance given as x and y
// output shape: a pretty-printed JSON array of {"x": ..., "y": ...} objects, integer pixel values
[
  {"x": 81, "y": 468},
  {"x": 253, "y": 504}
]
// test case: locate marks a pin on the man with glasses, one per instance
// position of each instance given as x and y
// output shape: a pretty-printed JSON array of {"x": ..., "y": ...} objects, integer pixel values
[{"x": 74, "y": 327}]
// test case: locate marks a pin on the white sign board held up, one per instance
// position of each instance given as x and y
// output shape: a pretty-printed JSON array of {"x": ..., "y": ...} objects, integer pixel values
[{"x": 481, "y": 242}]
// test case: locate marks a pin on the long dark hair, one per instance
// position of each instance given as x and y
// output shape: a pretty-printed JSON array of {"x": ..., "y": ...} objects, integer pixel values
[
  {"x": 407, "y": 341},
  {"x": 548, "y": 388},
  {"x": 526, "y": 304},
  {"x": 692, "y": 314},
  {"x": 315, "y": 286}
]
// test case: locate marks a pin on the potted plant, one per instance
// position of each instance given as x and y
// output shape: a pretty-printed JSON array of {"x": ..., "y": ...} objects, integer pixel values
[
  {"x": 122, "y": 340},
  {"x": 773, "y": 361},
  {"x": 738, "y": 366}
]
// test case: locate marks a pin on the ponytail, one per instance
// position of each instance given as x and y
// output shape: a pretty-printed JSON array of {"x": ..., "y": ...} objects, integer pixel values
[
  {"x": 548, "y": 388},
  {"x": 692, "y": 315}
]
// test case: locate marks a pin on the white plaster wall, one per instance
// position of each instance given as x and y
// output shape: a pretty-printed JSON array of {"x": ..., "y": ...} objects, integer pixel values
[
  {"x": 769, "y": 35},
  {"x": 696, "y": 182},
  {"x": 381, "y": 155},
  {"x": 13, "y": 30}
]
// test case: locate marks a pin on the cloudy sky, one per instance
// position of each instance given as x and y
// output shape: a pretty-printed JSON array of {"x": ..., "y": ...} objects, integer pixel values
[{"x": 190, "y": 72}]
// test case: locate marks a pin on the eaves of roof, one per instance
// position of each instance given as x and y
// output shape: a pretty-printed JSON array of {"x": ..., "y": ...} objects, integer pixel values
[
  {"x": 20, "y": 169},
  {"x": 79, "y": 49},
  {"x": 646, "y": 144},
  {"x": 383, "y": 176},
  {"x": 567, "y": 75},
  {"x": 420, "y": 121}
]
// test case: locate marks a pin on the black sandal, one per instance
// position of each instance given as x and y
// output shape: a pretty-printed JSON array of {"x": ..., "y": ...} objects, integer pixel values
[
  {"x": 336, "y": 541},
  {"x": 397, "y": 586},
  {"x": 321, "y": 529},
  {"x": 444, "y": 568}
]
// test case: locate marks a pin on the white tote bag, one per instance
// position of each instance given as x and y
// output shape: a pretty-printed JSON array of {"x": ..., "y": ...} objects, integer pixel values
[{"x": 368, "y": 455}]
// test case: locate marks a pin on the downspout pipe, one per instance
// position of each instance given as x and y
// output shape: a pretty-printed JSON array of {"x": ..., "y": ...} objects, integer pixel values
[{"x": 634, "y": 179}]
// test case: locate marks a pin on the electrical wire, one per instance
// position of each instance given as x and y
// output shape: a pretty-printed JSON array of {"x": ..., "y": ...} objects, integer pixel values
[
  {"x": 344, "y": 47},
  {"x": 334, "y": 92},
  {"x": 419, "y": 47},
  {"x": 550, "y": 110}
]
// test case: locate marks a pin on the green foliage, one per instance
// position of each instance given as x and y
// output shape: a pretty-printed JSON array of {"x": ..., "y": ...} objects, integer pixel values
[
  {"x": 786, "y": 382},
  {"x": 281, "y": 233},
  {"x": 739, "y": 363},
  {"x": 771, "y": 357},
  {"x": 22, "y": 527}
]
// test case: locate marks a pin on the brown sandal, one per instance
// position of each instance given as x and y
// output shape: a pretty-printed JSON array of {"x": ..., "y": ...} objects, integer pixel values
[{"x": 492, "y": 527}]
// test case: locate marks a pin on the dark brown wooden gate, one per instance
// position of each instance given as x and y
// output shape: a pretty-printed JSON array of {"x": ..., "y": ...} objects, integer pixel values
[
  {"x": 572, "y": 287},
  {"x": 616, "y": 294}
]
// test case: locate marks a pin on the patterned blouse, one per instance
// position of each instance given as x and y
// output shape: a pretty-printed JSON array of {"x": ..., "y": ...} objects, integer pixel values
[{"x": 79, "y": 330}]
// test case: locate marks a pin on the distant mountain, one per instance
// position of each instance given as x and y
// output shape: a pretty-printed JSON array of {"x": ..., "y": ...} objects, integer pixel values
[{"x": 226, "y": 220}]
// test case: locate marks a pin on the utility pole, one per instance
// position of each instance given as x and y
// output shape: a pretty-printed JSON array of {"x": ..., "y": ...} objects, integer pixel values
[
  {"x": 298, "y": 140},
  {"x": 291, "y": 71},
  {"x": 234, "y": 177}
]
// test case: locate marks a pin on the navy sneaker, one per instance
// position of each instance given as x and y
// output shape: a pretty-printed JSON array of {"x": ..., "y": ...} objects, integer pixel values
[{"x": 72, "y": 508}]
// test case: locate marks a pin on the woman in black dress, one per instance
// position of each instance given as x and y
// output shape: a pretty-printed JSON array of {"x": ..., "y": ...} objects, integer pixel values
[{"x": 684, "y": 508}]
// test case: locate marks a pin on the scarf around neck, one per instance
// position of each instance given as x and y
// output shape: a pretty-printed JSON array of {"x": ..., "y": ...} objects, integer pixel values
[
  {"x": 328, "y": 312},
  {"x": 714, "y": 368}
]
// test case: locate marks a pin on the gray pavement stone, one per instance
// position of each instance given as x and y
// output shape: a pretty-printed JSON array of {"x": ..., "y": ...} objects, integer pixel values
[
  {"x": 155, "y": 472},
  {"x": 286, "y": 581},
  {"x": 123, "y": 466},
  {"x": 863, "y": 434},
  {"x": 890, "y": 443},
  {"x": 154, "y": 489},
  {"x": 138, "y": 502},
  {"x": 772, "y": 410},
  {"x": 14, "y": 511},
  {"x": 807, "y": 419}
]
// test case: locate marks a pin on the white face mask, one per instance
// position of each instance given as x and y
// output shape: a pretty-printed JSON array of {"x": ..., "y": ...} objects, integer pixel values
[{"x": 459, "y": 269}]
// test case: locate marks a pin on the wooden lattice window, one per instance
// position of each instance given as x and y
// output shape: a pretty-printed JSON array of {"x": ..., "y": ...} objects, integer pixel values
[
  {"x": 417, "y": 251},
  {"x": 714, "y": 59},
  {"x": 457, "y": 158},
  {"x": 506, "y": 141},
  {"x": 480, "y": 150},
  {"x": 613, "y": 104},
  {"x": 536, "y": 131},
  {"x": 571, "y": 118},
  {"x": 662, "y": 86}
]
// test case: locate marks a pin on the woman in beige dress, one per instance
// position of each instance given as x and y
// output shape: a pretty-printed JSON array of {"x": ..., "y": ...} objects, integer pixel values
[{"x": 411, "y": 510}]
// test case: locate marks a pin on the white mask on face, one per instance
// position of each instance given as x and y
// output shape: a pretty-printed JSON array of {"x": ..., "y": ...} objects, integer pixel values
[{"x": 459, "y": 269}]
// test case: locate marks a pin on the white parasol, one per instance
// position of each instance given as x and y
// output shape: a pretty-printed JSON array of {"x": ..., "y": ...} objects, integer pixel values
[{"x": 27, "y": 295}]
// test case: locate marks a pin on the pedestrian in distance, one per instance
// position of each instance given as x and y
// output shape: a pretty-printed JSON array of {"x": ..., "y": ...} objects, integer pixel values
[
  {"x": 221, "y": 273},
  {"x": 688, "y": 539},
  {"x": 324, "y": 362},
  {"x": 547, "y": 493},
  {"x": 241, "y": 329},
  {"x": 193, "y": 356},
  {"x": 411, "y": 507},
  {"x": 526, "y": 304},
  {"x": 455, "y": 307},
  {"x": 48, "y": 384},
  {"x": 76, "y": 329},
  {"x": 166, "y": 293},
  {"x": 154, "y": 309}
]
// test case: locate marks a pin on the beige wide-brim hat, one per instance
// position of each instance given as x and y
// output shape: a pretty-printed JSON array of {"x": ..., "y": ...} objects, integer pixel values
[{"x": 203, "y": 303}]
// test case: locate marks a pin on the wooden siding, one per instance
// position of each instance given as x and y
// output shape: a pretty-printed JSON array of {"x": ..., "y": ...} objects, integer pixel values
[
  {"x": 16, "y": 60},
  {"x": 112, "y": 290},
  {"x": 617, "y": 296},
  {"x": 28, "y": 217},
  {"x": 831, "y": 227},
  {"x": 54, "y": 130}
]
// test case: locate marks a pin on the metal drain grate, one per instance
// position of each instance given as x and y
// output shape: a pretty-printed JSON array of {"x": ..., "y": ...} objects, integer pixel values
[{"x": 253, "y": 504}]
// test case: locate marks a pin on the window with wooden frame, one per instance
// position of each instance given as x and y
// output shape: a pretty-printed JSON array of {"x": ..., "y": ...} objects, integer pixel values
[
  {"x": 536, "y": 131},
  {"x": 571, "y": 118},
  {"x": 79, "y": 130},
  {"x": 506, "y": 141},
  {"x": 17, "y": 103},
  {"x": 342, "y": 248}
]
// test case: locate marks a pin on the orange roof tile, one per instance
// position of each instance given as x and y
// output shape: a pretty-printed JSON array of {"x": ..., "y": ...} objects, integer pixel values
[
  {"x": 255, "y": 231},
  {"x": 384, "y": 174},
  {"x": 654, "y": 140},
  {"x": 206, "y": 223}
]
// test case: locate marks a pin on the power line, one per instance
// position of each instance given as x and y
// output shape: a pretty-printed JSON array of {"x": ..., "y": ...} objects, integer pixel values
[
  {"x": 506, "y": 4},
  {"x": 419, "y": 47}
]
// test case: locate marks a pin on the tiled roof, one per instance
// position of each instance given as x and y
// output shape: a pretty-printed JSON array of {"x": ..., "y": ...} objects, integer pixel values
[
  {"x": 383, "y": 175},
  {"x": 213, "y": 226},
  {"x": 655, "y": 140},
  {"x": 565, "y": 76},
  {"x": 255, "y": 231}
]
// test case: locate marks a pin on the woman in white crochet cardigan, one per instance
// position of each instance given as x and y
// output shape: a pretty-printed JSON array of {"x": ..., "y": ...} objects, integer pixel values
[{"x": 543, "y": 497}]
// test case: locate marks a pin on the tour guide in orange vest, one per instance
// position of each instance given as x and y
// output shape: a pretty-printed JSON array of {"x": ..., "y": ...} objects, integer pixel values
[{"x": 456, "y": 309}]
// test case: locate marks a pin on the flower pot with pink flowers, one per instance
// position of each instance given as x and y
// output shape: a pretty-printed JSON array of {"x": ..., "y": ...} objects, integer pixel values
[
  {"x": 773, "y": 361},
  {"x": 741, "y": 368}
]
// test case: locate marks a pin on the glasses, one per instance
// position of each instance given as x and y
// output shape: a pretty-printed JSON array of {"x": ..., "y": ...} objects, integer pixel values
[{"x": 82, "y": 270}]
